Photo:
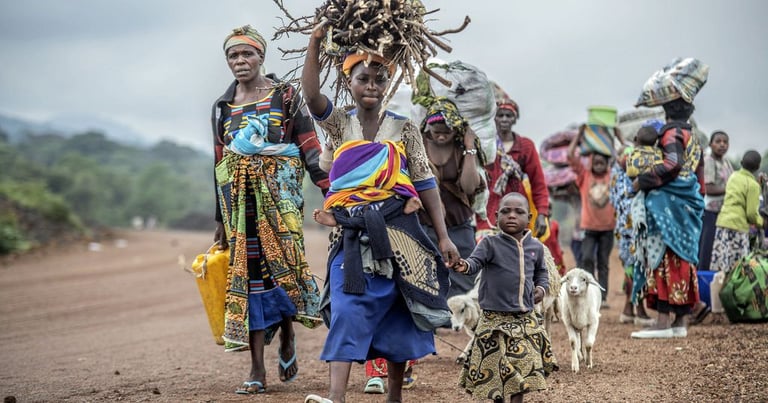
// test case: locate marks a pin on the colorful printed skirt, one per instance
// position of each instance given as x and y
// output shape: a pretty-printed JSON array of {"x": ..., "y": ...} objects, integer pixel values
[
  {"x": 378, "y": 367},
  {"x": 511, "y": 354},
  {"x": 673, "y": 283},
  {"x": 728, "y": 248},
  {"x": 262, "y": 209}
]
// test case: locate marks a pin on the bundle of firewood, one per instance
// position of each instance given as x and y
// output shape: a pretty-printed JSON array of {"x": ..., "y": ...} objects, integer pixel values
[{"x": 392, "y": 29}]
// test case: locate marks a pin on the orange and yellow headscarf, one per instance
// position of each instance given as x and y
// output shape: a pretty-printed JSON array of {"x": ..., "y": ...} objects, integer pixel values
[
  {"x": 353, "y": 59},
  {"x": 245, "y": 35}
]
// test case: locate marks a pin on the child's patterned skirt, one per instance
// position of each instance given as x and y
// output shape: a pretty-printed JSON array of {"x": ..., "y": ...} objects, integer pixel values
[{"x": 511, "y": 354}]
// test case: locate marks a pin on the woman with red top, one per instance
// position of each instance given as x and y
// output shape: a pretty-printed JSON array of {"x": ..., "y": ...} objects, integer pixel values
[{"x": 517, "y": 168}]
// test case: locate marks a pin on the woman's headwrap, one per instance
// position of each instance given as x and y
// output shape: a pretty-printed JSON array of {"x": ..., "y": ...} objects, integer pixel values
[
  {"x": 441, "y": 109},
  {"x": 509, "y": 105},
  {"x": 353, "y": 59},
  {"x": 245, "y": 35}
]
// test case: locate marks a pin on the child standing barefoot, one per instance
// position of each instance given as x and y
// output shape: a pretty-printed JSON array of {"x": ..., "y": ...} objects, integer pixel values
[{"x": 511, "y": 354}]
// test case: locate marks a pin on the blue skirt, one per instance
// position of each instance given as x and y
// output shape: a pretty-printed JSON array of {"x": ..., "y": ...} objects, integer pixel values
[
  {"x": 268, "y": 308},
  {"x": 376, "y": 324}
]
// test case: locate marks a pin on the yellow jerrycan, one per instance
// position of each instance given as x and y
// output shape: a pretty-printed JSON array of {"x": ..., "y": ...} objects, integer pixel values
[{"x": 210, "y": 270}]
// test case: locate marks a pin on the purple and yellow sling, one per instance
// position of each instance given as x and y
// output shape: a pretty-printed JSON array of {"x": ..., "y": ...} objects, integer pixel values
[{"x": 365, "y": 172}]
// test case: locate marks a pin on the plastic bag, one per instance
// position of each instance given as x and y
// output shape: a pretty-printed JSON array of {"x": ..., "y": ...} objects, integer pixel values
[
  {"x": 473, "y": 95},
  {"x": 210, "y": 270}
]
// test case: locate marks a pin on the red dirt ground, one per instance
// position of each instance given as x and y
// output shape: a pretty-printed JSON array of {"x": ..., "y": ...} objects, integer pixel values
[{"x": 127, "y": 324}]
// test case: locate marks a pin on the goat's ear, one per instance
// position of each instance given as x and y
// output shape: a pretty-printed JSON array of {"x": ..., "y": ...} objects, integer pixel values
[{"x": 595, "y": 283}]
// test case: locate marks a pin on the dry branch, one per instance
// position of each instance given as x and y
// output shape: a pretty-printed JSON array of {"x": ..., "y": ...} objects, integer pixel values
[{"x": 394, "y": 29}]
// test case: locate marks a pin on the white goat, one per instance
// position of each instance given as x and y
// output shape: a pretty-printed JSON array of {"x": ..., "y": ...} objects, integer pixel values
[
  {"x": 580, "y": 311},
  {"x": 465, "y": 313}
]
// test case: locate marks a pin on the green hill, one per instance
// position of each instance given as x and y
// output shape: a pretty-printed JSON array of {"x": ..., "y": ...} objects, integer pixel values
[{"x": 54, "y": 187}]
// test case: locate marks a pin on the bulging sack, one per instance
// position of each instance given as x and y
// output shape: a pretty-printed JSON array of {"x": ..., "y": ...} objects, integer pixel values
[
  {"x": 472, "y": 93},
  {"x": 210, "y": 270},
  {"x": 682, "y": 78},
  {"x": 745, "y": 291}
]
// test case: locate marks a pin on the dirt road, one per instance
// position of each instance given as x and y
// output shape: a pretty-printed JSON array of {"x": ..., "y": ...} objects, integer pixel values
[{"x": 126, "y": 324}]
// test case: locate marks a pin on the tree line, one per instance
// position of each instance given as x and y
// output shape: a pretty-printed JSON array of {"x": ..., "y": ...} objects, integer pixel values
[{"x": 53, "y": 187}]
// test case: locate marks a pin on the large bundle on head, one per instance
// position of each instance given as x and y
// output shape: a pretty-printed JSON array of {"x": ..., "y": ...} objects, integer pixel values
[
  {"x": 682, "y": 78},
  {"x": 472, "y": 93},
  {"x": 390, "y": 30}
]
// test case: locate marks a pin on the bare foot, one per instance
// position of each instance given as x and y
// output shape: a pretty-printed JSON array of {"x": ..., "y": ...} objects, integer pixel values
[
  {"x": 640, "y": 309},
  {"x": 628, "y": 309},
  {"x": 324, "y": 217},
  {"x": 412, "y": 205}
]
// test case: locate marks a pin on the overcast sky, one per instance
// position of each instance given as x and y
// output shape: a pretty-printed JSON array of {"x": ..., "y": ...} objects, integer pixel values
[{"x": 157, "y": 66}]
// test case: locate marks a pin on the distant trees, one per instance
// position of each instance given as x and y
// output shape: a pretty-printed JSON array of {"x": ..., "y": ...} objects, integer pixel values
[{"x": 92, "y": 180}]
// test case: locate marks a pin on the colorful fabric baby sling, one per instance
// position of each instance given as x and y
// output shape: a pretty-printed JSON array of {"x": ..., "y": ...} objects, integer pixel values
[{"x": 364, "y": 172}]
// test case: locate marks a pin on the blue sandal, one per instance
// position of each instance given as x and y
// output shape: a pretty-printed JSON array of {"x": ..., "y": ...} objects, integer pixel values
[
  {"x": 251, "y": 388},
  {"x": 285, "y": 365}
]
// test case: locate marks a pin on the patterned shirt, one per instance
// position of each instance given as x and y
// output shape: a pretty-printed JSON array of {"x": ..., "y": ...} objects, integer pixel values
[
  {"x": 716, "y": 173},
  {"x": 682, "y": 157}
]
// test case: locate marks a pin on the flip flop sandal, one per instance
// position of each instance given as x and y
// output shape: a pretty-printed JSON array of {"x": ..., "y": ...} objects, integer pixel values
[
  {"x": 251, "y": 388},
  {"x": 409, "y": 382},
  {"x": 316, "y": 399},
  {"x": 375, "y": 386},
  {"x": 285, "y": 365}
]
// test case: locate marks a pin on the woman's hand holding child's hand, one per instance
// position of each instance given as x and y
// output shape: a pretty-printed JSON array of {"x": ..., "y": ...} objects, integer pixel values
[
  {"x": 449, "y": 251},
  {"x": 461, "y": 266}
]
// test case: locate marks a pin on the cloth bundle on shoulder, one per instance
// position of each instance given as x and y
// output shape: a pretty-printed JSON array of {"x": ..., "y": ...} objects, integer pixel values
[
  {"x": 682, "y": 78},
  {"x": 472, "y": 93},
  {"x": 745, "y": 290}
]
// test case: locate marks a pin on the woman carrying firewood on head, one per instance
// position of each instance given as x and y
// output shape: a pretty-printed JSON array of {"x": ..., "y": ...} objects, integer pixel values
[{"x": 379, "y": 256}]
